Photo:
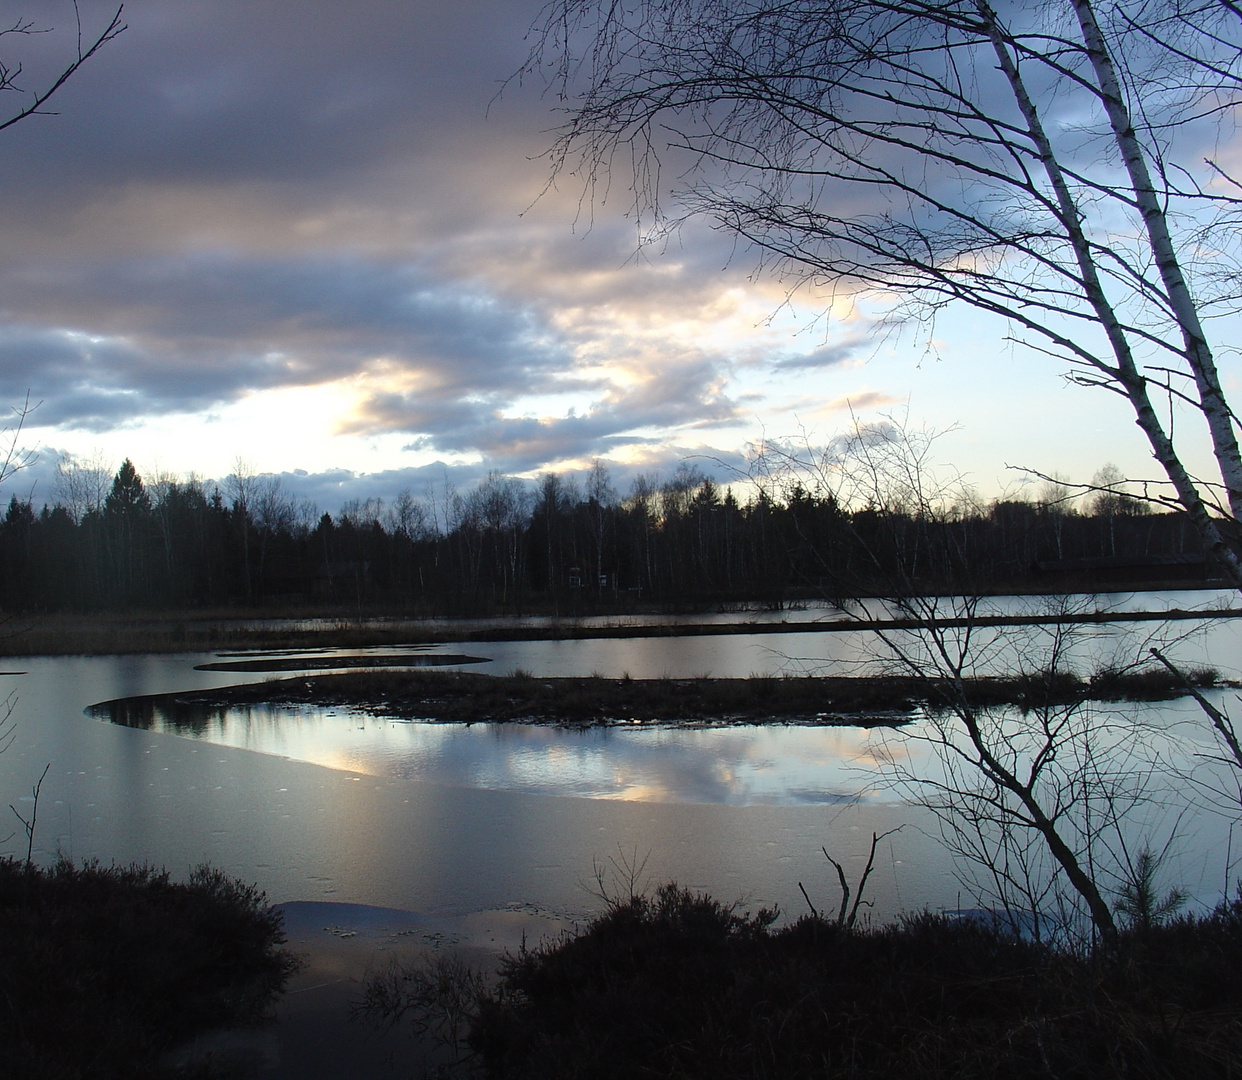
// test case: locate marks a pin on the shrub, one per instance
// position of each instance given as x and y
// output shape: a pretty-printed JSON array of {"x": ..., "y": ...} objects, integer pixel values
[
  {"x": 104, "y": 969},
  {"x": 678, "y": 985}
]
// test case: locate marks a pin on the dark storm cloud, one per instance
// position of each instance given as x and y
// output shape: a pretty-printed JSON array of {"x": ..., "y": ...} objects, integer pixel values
[
  {"x": 238, "y": 197},
  {"x": 253, "y": 126},
  {"x": 280, "y": 90}
]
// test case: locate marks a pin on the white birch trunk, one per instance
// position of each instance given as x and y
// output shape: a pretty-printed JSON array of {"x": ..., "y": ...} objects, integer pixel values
[
  {"x": 1132, "y": 383},
  {"x": 1195, "y": 346}
]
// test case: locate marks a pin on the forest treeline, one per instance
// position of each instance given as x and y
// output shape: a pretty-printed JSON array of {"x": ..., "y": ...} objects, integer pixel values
[{"x": 556, "y": 545}]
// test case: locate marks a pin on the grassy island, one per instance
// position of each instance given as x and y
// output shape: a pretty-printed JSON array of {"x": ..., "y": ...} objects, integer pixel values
[{"x": 467, "y": 697}]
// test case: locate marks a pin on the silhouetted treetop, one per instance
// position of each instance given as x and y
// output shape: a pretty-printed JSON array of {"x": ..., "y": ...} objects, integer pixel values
[{"x": 128, "y": 497}]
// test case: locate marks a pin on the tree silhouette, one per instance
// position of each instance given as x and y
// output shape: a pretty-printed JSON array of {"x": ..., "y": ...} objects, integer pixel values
[
  {"x": 128, "y": 498},
  {"x": 920, "y": 153}
]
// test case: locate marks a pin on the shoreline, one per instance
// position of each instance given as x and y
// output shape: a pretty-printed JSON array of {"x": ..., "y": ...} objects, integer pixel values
[{"x": 64, "y": 635}]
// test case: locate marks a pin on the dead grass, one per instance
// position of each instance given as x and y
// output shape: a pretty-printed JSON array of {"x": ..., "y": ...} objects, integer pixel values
[{"x": 467, "y": 697}]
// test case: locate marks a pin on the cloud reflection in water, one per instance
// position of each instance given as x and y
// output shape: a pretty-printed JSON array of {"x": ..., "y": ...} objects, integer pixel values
[{"x": 739, "y": 765}]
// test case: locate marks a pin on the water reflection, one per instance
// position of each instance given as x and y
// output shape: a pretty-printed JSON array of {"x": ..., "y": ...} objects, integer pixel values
[
  {"x": 736, "y": 765},
  {"x": 742, "y": 765},
  {"x": 441, "y": 841},
  {"x": 795, "y": 612}
]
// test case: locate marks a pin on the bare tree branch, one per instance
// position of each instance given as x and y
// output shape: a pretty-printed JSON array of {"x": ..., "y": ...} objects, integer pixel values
[{"x": 85, "y": 50}]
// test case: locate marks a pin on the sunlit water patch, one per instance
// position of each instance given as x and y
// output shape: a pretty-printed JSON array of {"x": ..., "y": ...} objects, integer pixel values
[
  {"x": 737, "y": 765},
  {"x": 442, "y": 817},
  {"x": 772, "y": 764}
]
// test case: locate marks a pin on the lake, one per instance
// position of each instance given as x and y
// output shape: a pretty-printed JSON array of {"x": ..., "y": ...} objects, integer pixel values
[{"x": 453, "y": 819}]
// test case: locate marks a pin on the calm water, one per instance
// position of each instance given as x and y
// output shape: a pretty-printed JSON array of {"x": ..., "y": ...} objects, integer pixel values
[
  {"x": 732, "y": 766},
  {"x": 452, "y": 818}
]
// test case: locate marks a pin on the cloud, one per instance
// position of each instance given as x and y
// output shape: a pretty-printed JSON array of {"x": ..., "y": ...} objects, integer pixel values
[
  {"x": 104, "y": 342},
  {"x": 862, "y": 401},
  {"x": 235, "y": 201},
  {"x": 327, "y": 201},
  {"x": 331, "y": 489},
  {"x": 682, "y": 396},
  {"x": 836, "y": 354},
  {"x": 431, "y": 484},
  {"x": 219, "y": 90}
]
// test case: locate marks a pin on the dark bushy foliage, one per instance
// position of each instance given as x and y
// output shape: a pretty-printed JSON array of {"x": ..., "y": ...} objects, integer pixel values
[
  {"x": 680, "y": 986},
  {"x": 687, "y": 545},
  {"x": 104, "y": 969}
]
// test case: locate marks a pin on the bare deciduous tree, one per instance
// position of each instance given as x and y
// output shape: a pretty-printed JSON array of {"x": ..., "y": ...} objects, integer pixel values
[
  {"x": 82, "y": 483},
  {"x": 409, "y": 517},
  {"x": 13, "y": 455},
  {"x": 1028, "y": 801},
  {"x": 601, "y": 498},
  {"x": 1053, "y": 164},
  {"x": 33, "y": 102},
  {"x": 1040, "y": 806}
]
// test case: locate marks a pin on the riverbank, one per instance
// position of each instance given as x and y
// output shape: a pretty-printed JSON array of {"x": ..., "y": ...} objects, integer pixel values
[
  {"x": 121, "y": 972},
  {"x": 114, "y": 634},
  {"x": 465, "y": 697}
]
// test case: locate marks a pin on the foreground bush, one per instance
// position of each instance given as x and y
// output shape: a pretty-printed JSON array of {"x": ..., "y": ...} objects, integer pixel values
[
  {"x": 104, "y": 969},
  {"x": 678, "y": 985}
]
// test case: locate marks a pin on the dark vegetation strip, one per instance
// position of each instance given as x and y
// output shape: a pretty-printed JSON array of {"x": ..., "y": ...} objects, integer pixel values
[
  {"x": 108, "y": 635},
  {"x": 464, "y": 697},
  {"x": 569, "y": 631},
  {"x": 683, "y": 543},
  {"x": 285, "y": 663},
  {"x": 678, "y": 985},
  {"x": 104, "y": 970}
]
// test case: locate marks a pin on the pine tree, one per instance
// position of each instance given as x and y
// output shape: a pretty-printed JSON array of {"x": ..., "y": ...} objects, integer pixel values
[{"x": 128, "y": 497}]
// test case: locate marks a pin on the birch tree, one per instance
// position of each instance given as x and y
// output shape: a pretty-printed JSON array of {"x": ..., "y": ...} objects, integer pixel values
[{"x": 1061, "y": 164}]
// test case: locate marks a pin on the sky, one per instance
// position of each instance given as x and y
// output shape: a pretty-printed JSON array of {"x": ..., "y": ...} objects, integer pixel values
[{"x": 318, "y": 240}]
